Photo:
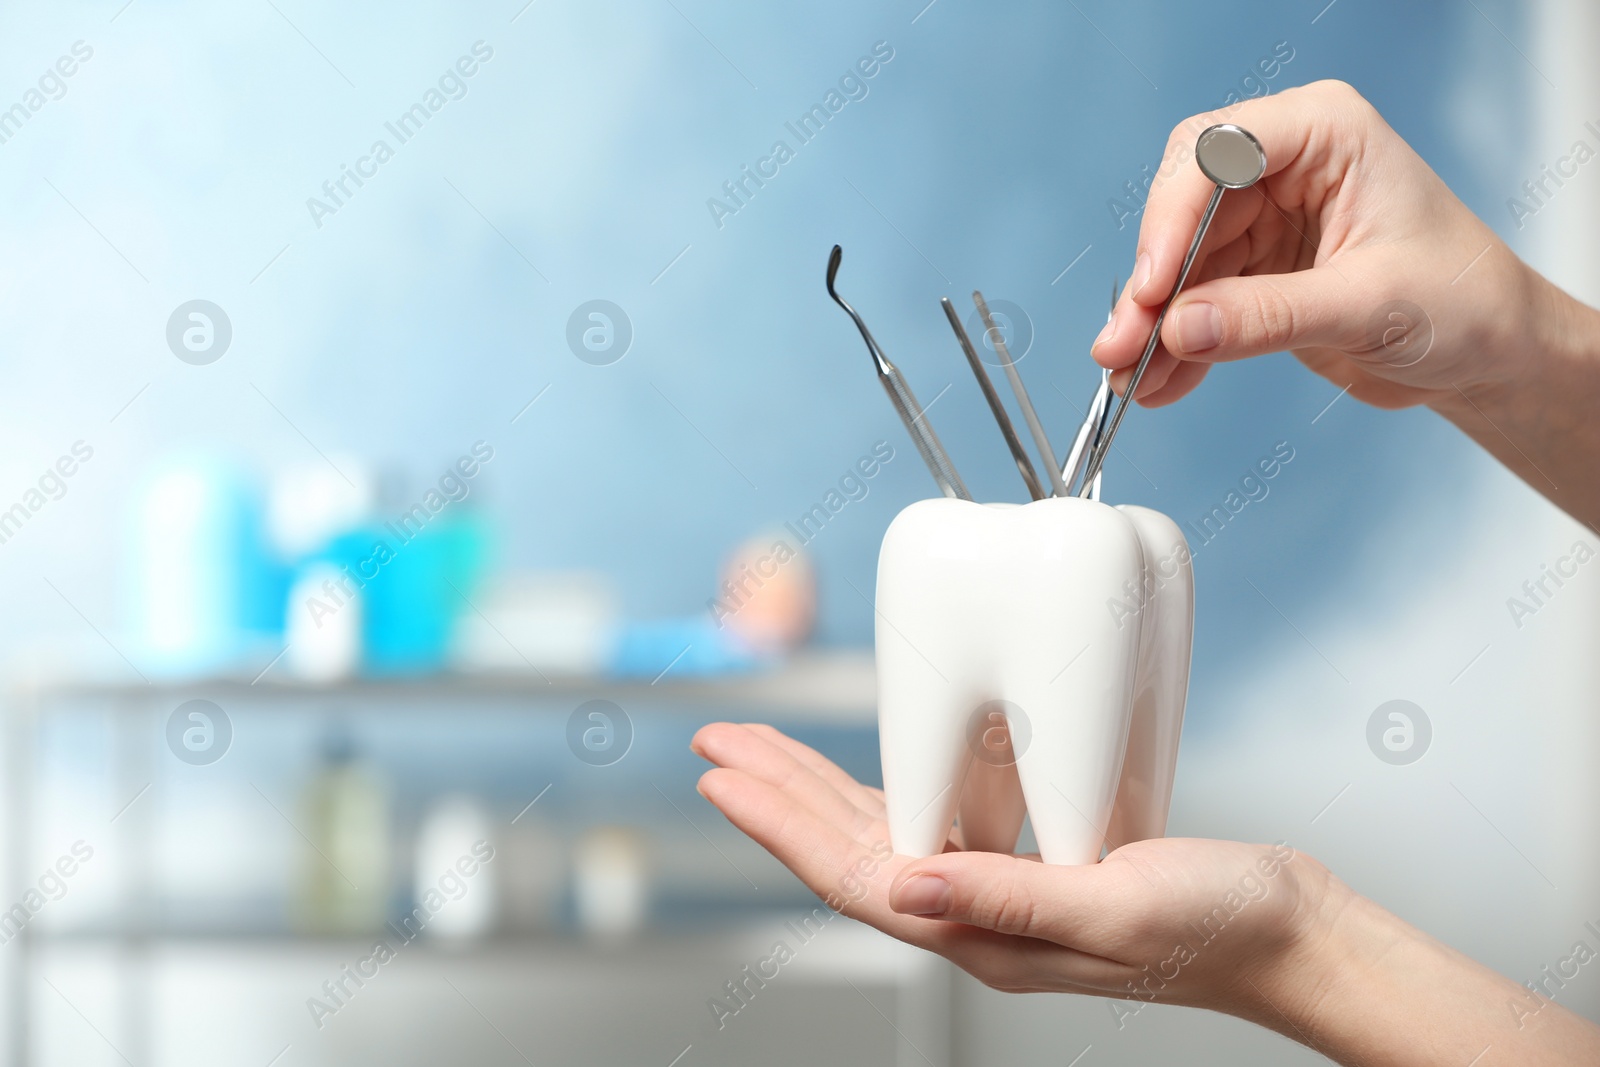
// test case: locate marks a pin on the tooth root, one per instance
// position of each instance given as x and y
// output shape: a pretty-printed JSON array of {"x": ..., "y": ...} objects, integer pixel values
[
  {"x": 1166, "y": 623},
  {"x": 924, "y": 683},
  {"x": 1078, "y": 714},
  {"x": 925, "y": 759}
]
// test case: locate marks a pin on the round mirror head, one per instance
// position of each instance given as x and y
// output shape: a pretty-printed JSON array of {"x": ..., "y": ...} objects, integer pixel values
[{"x": 1230, "y": 156}]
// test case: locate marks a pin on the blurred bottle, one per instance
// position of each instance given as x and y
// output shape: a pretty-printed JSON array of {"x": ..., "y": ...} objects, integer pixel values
[
  {"x": 322, "y": 626},
  {"x": 420, "y": 586},
  {"x": 312, "y": 507},
  {"x": 416, "y": 559},
  {"x": 533, "y": 873},
  {"x": 611, "y": 883},
  {"x": 456, "y": 886},
  {"x": 345, "y": 877},
  {"x": 204, "y": 595}
]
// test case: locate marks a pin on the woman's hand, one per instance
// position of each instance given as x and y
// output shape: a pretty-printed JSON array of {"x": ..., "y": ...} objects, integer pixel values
[
  {"x": 1208, "y": 923},
  {"x": 1261, "y": 932},
  {"x": 1350, "y": 252},
  {"x": 1354, "y": 255}
]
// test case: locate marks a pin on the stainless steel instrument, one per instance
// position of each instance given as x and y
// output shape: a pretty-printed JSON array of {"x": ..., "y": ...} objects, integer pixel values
[
  {"x": 1233, "y": 159},
  {"x": 1030, "y": 477},
  {"x": 1029, "y": 415},
  {"x": 900, "y": 395}
]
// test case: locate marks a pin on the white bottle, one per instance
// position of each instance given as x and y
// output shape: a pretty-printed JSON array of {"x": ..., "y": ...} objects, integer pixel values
[
  {"x": 322, "y": 630},
  {"x": 455, "y": 893}
]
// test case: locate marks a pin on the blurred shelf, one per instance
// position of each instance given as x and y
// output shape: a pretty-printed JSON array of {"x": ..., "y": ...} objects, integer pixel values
[
  {"x": 544, "y": 942},
  {"x": 848, "y": 946},
  {"x": 674, "y": 918},
  {"x": 833, "y": 685}
]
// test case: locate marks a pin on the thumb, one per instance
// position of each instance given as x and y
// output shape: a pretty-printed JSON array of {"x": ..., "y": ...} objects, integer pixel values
[
  {"x": 1234, "y": 318},
  {"x": 1079, "y": 907}
]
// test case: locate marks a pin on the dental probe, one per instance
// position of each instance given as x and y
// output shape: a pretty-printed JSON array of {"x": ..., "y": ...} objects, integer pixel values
[
  {"x": 1102, "y": 405},
  {"x": 1233, "y": 159},
  {"x": 1030, "y": 477},
  {"x": 905, "y": 404},
  {"x": 1094, "y": 423},
  {"x": 1030, "y": 416}
]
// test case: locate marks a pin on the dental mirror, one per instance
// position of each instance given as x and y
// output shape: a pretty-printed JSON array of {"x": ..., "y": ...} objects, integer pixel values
[{"x": 1231, "y": 158}]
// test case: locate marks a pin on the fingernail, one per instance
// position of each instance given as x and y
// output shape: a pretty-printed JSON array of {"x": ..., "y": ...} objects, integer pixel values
[
  {"x": 1141, "y": 273},
  {"x": 1199, "y": 327},
  {"x": 925, "y": 894},
  {"x": 1106, "y": 334}
]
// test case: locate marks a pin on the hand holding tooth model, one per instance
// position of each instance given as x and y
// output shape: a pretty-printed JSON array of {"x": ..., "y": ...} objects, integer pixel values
[{"x": 1346, "y": 220}]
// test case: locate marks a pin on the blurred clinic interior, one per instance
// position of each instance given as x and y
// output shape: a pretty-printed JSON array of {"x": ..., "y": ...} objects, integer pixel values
[{"x": 550, "y": 380}]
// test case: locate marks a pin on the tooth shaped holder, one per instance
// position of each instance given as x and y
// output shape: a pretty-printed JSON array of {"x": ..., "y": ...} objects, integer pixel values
[{"x": 1032, "y": 660}]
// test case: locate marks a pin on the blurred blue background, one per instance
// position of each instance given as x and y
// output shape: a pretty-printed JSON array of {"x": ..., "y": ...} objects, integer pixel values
[
  {"x": 378, "y": 337},
  {"x": 430, "y": 309}
]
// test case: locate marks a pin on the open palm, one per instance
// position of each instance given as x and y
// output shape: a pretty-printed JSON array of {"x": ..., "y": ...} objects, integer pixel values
[{"x": 1186, "y": 921}]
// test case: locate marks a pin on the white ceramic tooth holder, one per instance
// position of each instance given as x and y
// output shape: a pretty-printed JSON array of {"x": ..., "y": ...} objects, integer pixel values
[{"x": 1032, "y": 660}]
